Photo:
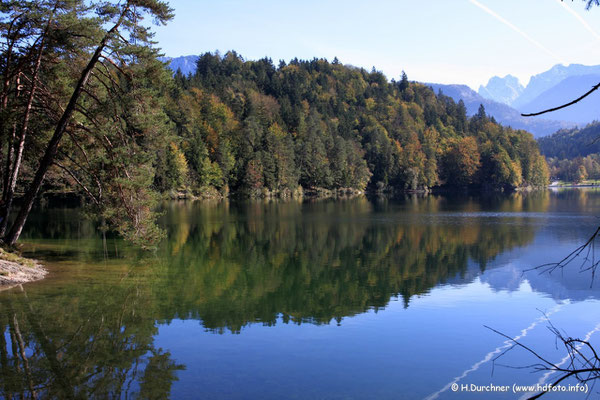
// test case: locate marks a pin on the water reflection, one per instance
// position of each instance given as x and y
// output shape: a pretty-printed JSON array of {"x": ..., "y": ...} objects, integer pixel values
[
  {"x": 84, "y": 341},
  {"x": 231, "y": 264},
  {"x": 89, "y": 330}
]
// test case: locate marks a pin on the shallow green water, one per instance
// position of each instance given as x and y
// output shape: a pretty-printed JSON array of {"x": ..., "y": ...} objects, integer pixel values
[{"x": 325, "y": 299}]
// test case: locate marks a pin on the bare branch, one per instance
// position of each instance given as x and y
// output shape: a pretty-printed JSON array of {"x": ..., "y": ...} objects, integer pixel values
[
  {"x": 550, "y": 267},
  {"x": 584, "y": 368},
  {"x": 593, "y": 89}
]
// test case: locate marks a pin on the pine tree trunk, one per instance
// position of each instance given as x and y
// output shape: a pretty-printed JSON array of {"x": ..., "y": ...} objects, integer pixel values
[
  {"x": 52, "y": 147},
  {"x": 13, "y": 173},
  {"x": 4, "y": 102},
  {"x": 9, "y": 159}
]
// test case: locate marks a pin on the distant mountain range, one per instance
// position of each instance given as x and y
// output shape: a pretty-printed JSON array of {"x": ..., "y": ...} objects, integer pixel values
[
  {"x": 509, "y": 91},
  {"x": 540, "y": 83},
  {"x": 559, "y": 85},
  {"x": 186, "y": 64},
  {"x": 568, "y": 89},
  {"x": 503, "y": 90},
  {"x": 503, "y": 113},
  {"x": 505, "y": 98}
]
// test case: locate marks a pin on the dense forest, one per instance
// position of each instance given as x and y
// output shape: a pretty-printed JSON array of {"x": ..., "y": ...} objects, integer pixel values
[
  {"x": 252, "y": 127},
  {"x": 575, "y": 170},
  {"x": 86, "y": 106},
  {"x": 573, "y": 154}
]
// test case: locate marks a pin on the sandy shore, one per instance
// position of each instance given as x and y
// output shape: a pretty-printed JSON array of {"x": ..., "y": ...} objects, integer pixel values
[{"x": 15, "y": 270}]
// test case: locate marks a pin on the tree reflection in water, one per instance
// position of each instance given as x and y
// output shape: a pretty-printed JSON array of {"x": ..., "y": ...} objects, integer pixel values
[
  {"x": 89, "y": 330},
  {"x": 95, "y": 342}
]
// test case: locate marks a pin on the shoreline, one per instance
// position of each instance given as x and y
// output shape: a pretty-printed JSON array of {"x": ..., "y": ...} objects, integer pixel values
[{"x": 16, "y": 270}]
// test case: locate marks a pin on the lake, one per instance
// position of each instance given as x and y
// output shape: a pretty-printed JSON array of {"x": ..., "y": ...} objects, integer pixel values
[{"x": 329, "y": 299}]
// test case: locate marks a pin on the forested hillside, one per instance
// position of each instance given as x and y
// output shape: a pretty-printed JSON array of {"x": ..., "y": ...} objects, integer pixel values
[
  {"x": 573, "y": 154},
  {"x": 571, "y": 143},
  {"x": 98, "y": 113},
  {"x": 253, "y": 127}
]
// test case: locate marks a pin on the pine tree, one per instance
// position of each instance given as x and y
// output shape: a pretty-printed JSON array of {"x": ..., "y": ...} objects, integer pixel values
[{"x": 106, "y": 73}]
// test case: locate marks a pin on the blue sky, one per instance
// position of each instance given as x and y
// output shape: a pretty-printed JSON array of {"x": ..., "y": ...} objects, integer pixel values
[{"x": 445, "y": 41}]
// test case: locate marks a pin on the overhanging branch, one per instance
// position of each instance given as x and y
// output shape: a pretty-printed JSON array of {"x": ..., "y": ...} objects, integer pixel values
[{"x": 592, "y": 90}]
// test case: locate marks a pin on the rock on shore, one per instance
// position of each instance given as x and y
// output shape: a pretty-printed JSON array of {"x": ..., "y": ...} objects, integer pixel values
[{"x": 16, "y": 270}]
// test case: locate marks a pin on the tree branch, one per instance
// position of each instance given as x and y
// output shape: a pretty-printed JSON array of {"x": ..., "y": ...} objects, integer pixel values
[
  {"x": 68, "y": 171},
  {"x": 593, "y": 89}
]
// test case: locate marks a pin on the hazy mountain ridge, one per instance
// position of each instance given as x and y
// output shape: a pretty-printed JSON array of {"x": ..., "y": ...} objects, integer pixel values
[
  {"x": 503, "y": 113},
  {"x": 559, "y": 85},
  {"x": 186, "y": 64},
  {"x": 503, "y": 90},
  {"x": 544, "y": 81},
  {"x": 568, "y": 89}
]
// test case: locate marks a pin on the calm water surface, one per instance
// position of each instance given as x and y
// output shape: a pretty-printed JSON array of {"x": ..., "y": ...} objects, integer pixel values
[{"x": 346, "y": 299}]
